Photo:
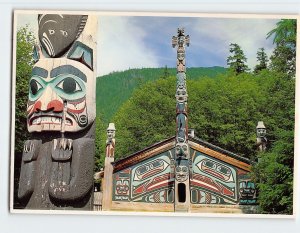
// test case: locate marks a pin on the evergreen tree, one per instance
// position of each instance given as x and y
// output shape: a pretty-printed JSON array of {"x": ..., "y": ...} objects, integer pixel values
[
  {"x": 166, "y": 73},
  {"x": 237, "y": 60},
  {"x": 262, "y": 59},
  {"x": 273, "y": 174},
  {"x": 146, "y": 118},
  {"x": 285, "y": 33},
  {"x": 100, "y": 142},
  {"x": 24, "y": 64},
  {"x": 283, "y": 58}
]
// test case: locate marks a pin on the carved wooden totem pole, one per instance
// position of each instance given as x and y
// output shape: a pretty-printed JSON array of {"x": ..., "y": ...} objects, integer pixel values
[
  {"x": 58, "y": 161},
  {"x": 182, "y": 151},
  {"x": 261, "y": 140},
  {"x": 108, "y": 167}
]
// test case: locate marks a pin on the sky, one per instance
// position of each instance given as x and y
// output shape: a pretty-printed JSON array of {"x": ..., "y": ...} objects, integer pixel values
[{"x": 126, "y": 42}]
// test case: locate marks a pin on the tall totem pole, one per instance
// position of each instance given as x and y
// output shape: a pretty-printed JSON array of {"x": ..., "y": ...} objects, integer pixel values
[
  {"x": 58, "y": 160},
  {"x": 108, "y": 167},
  {"x": 182, "y": 152}
]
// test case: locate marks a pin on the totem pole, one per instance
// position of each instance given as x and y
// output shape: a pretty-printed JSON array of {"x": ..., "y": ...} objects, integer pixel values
[
  {"x": 182, "y": 152},
  {"x": 261, "y": 140},
  {"x": 58, "y": 160},
  {"x": 108, "y": 169}
]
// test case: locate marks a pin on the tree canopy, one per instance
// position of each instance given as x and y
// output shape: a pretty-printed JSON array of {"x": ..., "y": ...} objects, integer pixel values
[
  {"x": 273, "y": 173},
  {"x": 24, "y": 64},
  {"x": 224, "y": 111},
  {"x": 283, "y": 58}
]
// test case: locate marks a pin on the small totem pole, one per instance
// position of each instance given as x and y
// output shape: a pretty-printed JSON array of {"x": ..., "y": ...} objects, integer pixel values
[
  {"x": 57, "y": 163},
  {"x": 182, "y": 152},
  {"x": 108, "y": 169},
  {"x": 261, "y": 140}
]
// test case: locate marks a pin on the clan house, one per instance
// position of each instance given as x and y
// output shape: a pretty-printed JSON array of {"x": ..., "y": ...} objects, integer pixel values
[{"x": 179, "y": 174}]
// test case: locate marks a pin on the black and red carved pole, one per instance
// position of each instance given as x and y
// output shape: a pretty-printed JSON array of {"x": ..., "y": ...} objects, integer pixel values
[{"x": 58, "y": 160}]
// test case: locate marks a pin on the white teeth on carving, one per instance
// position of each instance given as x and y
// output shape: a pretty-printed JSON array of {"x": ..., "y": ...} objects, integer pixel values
[
  {"x": 50, "y": 120},
  {"x": 64, "y": 143},
  {"x": 55, "y": 144},
  {"x": 70, "y": 143}
]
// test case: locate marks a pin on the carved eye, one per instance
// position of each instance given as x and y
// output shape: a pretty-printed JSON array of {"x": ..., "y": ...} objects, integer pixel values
[
  {"x": 35, "y": 86},
  {"x": 69, "y": 85},
  {"x": 64, "y": 33},
  {"x": 142, "y": 170},
  {"x": 51, "y": 31},
  {"x": 184, "y": 169},
  {"x": 157, "y": 163},
  {"x": 223, "y": 170}
]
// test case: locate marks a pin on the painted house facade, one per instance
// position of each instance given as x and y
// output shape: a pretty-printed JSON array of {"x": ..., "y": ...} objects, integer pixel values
[{"x": 219, "y": 180}]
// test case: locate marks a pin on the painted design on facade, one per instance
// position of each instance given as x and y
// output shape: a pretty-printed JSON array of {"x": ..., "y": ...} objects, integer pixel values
[
  {"x": 247, "y": 192},
  {"x": 57, "y": 163},
  {"x": 213, "y": 178},
  {"x": 215, "y": 169},
  {"x": 202, "y": 197},
  {"x": 122, "y": 185},
  {"x": 149, "y": 181}
]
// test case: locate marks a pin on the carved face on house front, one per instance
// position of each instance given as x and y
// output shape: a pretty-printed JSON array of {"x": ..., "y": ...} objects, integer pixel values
[
  {"x": 60, "y": 93},
  {"x": 181, "y": 149},
  {"x": 181, "y": 173}
]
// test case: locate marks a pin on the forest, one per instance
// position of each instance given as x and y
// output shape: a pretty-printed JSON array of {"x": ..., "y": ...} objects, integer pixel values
[{"x": 224, "y": 106}]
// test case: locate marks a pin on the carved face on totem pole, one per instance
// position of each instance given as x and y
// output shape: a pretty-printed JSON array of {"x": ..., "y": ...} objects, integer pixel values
[
  {"x": 181, "y": 173},
  {"x": 181, "y": 95},
  {"x": 61, "y": 88},
  {"x": 58, "y": 32},
  {"x": 181, "y": 149},
  {"x": 111, "y": 131},
  {"x": 180, "y": 54}
]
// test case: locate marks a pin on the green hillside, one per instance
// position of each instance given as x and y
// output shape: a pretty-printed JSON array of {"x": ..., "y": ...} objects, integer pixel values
[{"x": 114, "y": 89}]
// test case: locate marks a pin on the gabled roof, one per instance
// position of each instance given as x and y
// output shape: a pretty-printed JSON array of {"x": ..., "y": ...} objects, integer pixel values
[
  {"x": 219, "y": 153},
  {"x": 194, "y": 142},
  {"x": 219, "y": 149},
  {"x": 144, "y": 154}
]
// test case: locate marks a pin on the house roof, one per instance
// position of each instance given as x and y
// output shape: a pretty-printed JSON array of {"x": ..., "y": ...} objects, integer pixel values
[
  {"x": 194, "y": 142},
  {"x": 219, "y": 149},
  {"x": 144, "y": 154}
]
